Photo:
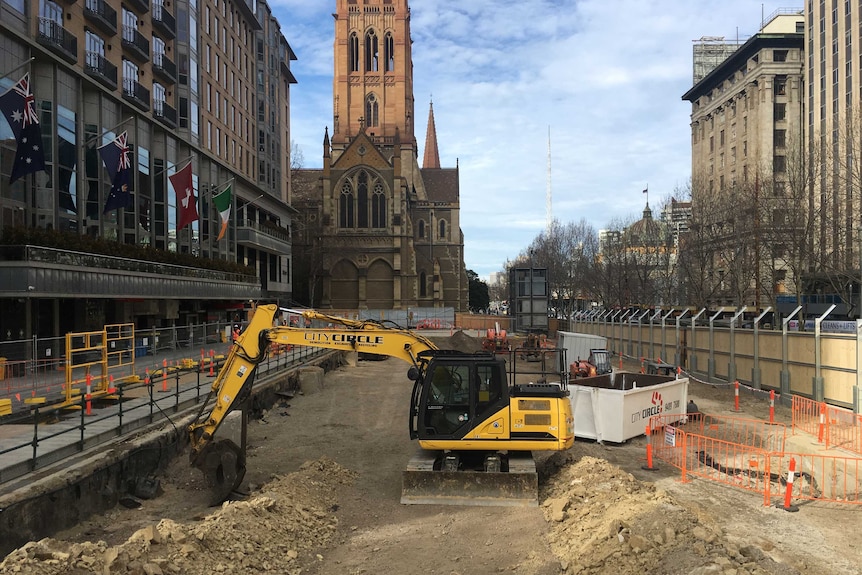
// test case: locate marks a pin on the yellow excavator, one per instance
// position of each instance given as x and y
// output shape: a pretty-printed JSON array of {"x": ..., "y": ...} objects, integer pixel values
[{"x": 476, "y": 429}]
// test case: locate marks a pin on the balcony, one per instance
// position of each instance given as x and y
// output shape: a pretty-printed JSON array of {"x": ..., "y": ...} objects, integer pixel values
[
  {"x": 78, "y": 274},
  {"x": 136, "y": 44},
  {"x": 101, "y": 70},
  {"x": 136, "y": 94},
  {"x": 164, "y": 21},
  {"x": 164, "y": 68},
  {"x": 142, "y": 6},
  {"x": 102, "y": 16},
  {"x": 162, "y": 111},
  {"x": 254, "y": 235},
  {"x": 58, "y": 40}
]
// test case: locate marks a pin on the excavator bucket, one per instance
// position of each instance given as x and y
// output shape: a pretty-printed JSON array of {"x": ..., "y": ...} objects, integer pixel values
[
  {"x": 223, "y": 465},
  {"x": 423, "y": 483}
]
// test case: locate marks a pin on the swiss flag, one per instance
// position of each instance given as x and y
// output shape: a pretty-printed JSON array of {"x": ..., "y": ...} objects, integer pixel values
[{"x": 187, "y": 203}]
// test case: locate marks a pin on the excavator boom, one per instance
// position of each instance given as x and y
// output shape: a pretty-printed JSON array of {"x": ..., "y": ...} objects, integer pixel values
[{"x": 465, "y": 413}]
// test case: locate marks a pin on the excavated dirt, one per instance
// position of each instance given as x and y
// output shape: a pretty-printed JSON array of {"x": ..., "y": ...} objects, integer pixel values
[{"x": 324, "y": 483}]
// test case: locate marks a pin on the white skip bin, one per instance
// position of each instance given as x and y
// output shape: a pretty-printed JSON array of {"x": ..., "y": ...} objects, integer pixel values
[{"x": 617, "y": 406}]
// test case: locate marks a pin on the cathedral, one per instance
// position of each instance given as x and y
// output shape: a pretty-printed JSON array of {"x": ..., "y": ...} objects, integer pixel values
[{"x": 375, "y": 230}]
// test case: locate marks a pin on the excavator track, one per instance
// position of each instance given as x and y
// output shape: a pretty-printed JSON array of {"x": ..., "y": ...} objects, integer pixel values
[{"x": 424, "y": 482}]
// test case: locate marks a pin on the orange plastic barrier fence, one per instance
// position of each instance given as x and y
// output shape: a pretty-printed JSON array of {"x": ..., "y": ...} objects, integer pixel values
[
  {"x": 805, "y": 414},
  {"x": 754, "y": 433},
  {"x": 833, "y": 426},
  {"x": 826, "y": 478}
]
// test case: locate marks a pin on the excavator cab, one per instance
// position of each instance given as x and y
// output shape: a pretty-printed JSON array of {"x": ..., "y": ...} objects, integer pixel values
[{"x": 458, "y": 392}]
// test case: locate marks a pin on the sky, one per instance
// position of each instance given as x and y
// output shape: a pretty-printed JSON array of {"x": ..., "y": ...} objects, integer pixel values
[{"x": 597, "y": 84}]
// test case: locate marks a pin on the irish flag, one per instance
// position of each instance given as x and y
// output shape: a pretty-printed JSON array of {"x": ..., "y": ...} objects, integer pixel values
[{"x": 222, "y": 203}]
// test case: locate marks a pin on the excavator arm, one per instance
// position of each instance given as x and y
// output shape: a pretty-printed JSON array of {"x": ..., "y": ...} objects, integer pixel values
[{"x": 223, "y": 462}]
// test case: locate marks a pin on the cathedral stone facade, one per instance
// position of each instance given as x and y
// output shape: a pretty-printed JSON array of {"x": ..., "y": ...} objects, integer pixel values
[{"x": 376, "y": 231}]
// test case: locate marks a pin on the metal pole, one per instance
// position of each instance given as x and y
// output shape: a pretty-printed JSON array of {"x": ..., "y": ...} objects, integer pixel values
[
  {"x": 711, "y": 364},
  {"x": 16, "y": 68},
  {"x": 641, "y": 333},
  {"x": 857, "y": 389},
  {"x": 693, "y": 344},
  {"x": 818, "y": 378},
  {"x": 755, "y": 371},
  {"x": 731, "y": 367},
  {"x": 677, "y": 356},
  {"x": 663, "y": 318},
  {"x": 785, "y": 374}
]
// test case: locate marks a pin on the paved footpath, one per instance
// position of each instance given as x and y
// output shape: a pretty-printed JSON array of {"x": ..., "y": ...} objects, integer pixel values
[{"x": 47, "y": 434}]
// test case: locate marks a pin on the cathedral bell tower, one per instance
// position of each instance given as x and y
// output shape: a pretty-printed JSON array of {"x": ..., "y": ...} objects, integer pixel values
[{"x": 373, "y": 77}]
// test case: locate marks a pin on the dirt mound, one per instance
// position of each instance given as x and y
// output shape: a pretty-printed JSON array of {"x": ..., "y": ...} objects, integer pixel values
[
  {"x": 265, "y": 534},
  {"x": 606, "y": 521},
  {"x": 459, "y": 341}
]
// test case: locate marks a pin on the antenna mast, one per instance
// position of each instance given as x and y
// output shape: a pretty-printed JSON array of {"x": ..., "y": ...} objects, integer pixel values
[{"x": 548, "y": 203}]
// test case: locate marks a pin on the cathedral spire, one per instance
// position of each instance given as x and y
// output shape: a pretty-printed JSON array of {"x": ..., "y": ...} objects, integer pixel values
[{"x": 432, "y": 155}]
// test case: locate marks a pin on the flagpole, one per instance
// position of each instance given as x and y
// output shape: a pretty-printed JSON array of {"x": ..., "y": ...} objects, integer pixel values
[
  {"x": 226, "y": 184},
  {"x": 16, "y": 68},
  {"x": 99, "y": 136},
  {"x": 181, "y": 162}
]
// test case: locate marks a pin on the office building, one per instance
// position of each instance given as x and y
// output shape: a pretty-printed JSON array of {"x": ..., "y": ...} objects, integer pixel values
[{"x": 199, "y": 83}]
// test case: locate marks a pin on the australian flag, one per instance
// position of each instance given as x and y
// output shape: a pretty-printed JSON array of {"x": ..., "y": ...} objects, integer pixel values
[
  {"x": 18, "y": 105},
  {"x": 115, "y": 154}
]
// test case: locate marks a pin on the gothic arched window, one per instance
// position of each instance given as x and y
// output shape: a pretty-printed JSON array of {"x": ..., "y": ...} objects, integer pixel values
[
  {"x": 372, "y": 111},
  {"x": 353, "y": 52},
  {"x": 372, "y": 52},
  {"x": 345, "y": 207},
  {"x": 442, "y": 234},
  {"x": 378, "y": 207},
  {"x": 423, "y": 285},
  {"x": 389, "y": 52},
  {"x": 363, "y": 202},
  {"x": 421, "y": 228}
]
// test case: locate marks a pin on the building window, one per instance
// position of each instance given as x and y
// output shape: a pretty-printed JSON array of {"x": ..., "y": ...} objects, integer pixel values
[
  {"x": 779, "y": 164},
  {"x": 95, "y": 51},
  {"x": 130, "y": 76},
  {"x": 372, "y": 52},
  {"x": 372, "y": 109},
  {"x": 158, "y": 51},
  {"x": 345, "y": 215},
  {"x": 781, "y": 85},
  {"x": 780, "y": 112},
  {"x": 50, "y": 18},
  {"x": 779, "y": 55},
  {"x": 442, "y": 225},
  {"x": 353, "y": 52},
  {"x": 421, "y": 228},
  {"x": 389, "y": 52},
  {"x": 378, "y": 207},
  {"x": 158, "y": 98},
  {"x": 779, "y": 138},
  {"x": 363, "y": 194},
  {"x": 423, "y": 285},
  {"x": 130, "y": 25}
]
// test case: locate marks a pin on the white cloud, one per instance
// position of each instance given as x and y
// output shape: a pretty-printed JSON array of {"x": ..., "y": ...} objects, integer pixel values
[{"x": 607, "y": 77}]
